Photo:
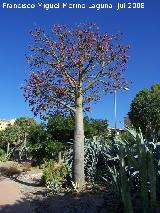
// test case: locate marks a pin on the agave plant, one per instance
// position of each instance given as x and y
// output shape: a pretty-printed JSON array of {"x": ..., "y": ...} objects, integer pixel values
[
  {"x": 95, "y": 150},
  {"x": 135, "y": 164},
  {"x": 128, "y": 166}
]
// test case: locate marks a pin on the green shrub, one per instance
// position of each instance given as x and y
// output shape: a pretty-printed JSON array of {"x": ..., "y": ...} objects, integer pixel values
[
  {"x": 3, "y": 155},
  {"x": 2, "y": 152},
  {"x": 41, "y": 145},
  {"x": 45, "y": 150},
  {"x": 53, "y": 174},
  {"x": 52, "y": 170}
]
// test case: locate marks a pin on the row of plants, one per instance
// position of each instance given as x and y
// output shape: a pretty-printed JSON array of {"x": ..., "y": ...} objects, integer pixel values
[
  {"x": 128, "y": 165},
  {"x": 128, "y": 168},
  {"x": 26, "y": 140}
]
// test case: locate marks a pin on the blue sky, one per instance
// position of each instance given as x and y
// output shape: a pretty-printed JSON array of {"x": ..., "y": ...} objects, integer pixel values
[{"x": 141, "y": 28}]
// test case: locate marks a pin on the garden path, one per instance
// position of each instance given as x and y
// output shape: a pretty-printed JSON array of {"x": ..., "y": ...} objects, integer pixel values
[{"x": 11, "y": 199}]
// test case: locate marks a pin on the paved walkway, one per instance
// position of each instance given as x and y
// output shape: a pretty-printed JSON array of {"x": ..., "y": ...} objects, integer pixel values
[{"x": 11, "y": 199}]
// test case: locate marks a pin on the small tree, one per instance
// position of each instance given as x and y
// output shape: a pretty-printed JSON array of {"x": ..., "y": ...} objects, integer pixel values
[
  {"x": 24, "y": 124},
  {"x": 10, "y": 136},
  {"x": 72, "y": 67},
  {"x": 42, "y": 146},
  {"x": 100, "y": 126},
  {"x": 60, "y": 127},
  {"x": 145, "y": 112}
]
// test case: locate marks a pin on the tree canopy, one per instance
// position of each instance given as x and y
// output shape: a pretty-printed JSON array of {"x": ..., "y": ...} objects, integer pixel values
[
  {"x": 145, "y": 112},
  {"x": 10, "y": 134},
  {"x": 17, "y": 132},
  {"x": 61, "y": 128},
  {"x": 69, "y": 61}
]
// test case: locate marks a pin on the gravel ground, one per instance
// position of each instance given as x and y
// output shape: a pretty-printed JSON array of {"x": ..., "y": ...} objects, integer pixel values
[
  {"x": 42, "y": 201},
  {"x": 11, "y": 198}
]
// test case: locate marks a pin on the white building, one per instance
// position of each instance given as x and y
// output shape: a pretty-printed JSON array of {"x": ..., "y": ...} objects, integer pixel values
[{"x": 4, "y": 123}]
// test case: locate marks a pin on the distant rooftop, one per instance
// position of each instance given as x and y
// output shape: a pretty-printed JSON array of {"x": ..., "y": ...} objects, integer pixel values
[{"x": 6, "y": 122}]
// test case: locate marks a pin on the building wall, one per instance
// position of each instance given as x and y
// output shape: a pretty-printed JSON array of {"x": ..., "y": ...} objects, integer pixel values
[{"x": 5, "y": 123}]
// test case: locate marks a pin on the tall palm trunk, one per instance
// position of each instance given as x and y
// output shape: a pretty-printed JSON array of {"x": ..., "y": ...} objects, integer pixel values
[{"x": 78, "y": 163}]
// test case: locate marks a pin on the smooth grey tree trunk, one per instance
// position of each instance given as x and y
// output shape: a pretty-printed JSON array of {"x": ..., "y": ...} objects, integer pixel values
[
  {"x": 8, "y": 148},
  {"x": 60, "y": 160},
  {"x": 25, "y": 140},
  {"x": 78, "y": 162}
]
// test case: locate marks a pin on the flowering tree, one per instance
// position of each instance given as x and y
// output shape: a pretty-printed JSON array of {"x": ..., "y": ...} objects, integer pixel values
[{"x": 72, "y": 67}]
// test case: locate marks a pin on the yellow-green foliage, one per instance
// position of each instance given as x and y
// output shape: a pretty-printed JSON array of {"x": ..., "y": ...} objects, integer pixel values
[
  {"x": 3, "y": 155},
  {"x": 54, "y": 171}
]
